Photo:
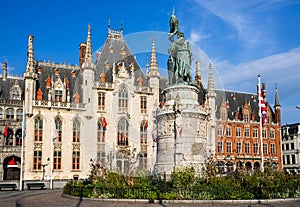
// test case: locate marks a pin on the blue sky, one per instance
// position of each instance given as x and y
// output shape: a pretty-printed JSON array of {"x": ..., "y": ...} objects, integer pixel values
[{"x": 241, "y": 38}]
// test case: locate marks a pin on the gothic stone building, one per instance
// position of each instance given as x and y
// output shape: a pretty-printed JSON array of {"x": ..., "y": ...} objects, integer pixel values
[{"x": 104, "y": 111}]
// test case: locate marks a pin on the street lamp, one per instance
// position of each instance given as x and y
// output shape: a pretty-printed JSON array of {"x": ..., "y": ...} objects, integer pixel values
[{"x": 44, "y": 165}]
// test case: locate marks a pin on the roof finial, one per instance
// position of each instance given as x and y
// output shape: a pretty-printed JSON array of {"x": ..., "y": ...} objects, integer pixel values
[
  {"x": 108, "y": 23},
  {"x": 153, "y": 61},
  {"x": 121, "y": 26}
]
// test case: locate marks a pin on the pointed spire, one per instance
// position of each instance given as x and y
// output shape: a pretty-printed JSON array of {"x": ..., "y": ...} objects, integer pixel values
[
  {"x": 30, "y": 55},
  {"x": 89, "y": 53},
  {"x": 147, "y": 65},
  {"x": 277, "y": 104},
  {"x": 210, "y": 85},
  {"x": 88, "y": 58},
  {"x": 153, "y": 61},
  {"x": 210, "y": 78}
]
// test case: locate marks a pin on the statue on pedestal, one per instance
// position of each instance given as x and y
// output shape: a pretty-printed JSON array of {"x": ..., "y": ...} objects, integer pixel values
[{"x": 180, "y": 58}]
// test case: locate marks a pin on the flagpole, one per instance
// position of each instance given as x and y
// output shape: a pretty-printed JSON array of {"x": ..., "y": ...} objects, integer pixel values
[
  {"x": 260, "y": 124},
  {"x": 22, "y": 147}
]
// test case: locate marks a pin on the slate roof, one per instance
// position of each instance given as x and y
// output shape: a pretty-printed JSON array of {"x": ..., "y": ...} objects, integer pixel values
[
  {"x": 6, "y": 85},
  {"x": 117, "y": 45},
  {"x": 236, "y": 101},
  {"x": 64, "y": 73}
]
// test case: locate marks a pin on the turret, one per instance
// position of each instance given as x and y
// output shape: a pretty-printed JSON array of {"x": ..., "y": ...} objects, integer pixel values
[
  {"x": 4, "y": 71},
  {"x": 30, "y": 77},
  {"x": 88, "y": 68},
  {"x": 198, "y": 74},
  {"x": 277, "y": 107},
  {"x": 211, "y": 103}
]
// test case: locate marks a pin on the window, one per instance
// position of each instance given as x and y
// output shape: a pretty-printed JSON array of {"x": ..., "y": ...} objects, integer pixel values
[
  {"x": 220, "y": 147},
  {"x": 57, "y": 160},
  {"x": 19, "y": 137},
  {"x": 15, "y": 93},
  {"x": 287, "y": 146},
  {"x": 223, "y": 115},
  {"x": 246, "y": 117},
  {"x": 293, "y": 159},
  {"x": 264, "y": 133},
  {"x": 76, "y": 131},
  {"x": 272, "y": 133},
  {"x": 228, "y": 131},
  {"x": 238, "y": 132},
  {"x": 255, "y": 133},
  {"x": 38, "y": 129},
  {"x": 247, "y": 148},
  {"x": 247, "y": 132},
  {"x": 101, "y": 130},
  {"x": 9, "y": 114},
  {"x": 273, "y": 149},
  {"x": 143, "y": 132},
  {"x": 19, "y": 115},
  {"x": 101, "y": 158},
  {"x": 122, "y": 137},
  {"x": 220, "y": 130},
  {"x": 76, "y": 160},
  {"x": 255, "y": 148},
  {"x": 288, "y": 159},
  {"x": 58, "y": 95},
  {"x": 228, "y": 147},
  {"x": 265, "y": 149},
  {"x": 101, "y": 101},
  {"x": 123, "y": 100},
  {"x": 143, "y": 104},
  {"x": 143, "y": 161},
  {"x": 123, "y": 162},
  {"x": 292, "y": 146},
  {"x": 37, "y": 160},
  {"x": 58, "y": 125},
  {"x": 239, "y": 147}
]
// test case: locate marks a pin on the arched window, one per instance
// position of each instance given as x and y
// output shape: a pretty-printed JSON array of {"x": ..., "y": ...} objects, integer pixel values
[
  {"x": 76, "y": 131},
  {"x": 122, "y": 138},
  {"x": 19, "y": 115},
  {"x": 101, "y": 125},
  {"x": 143, "y": 132},
  {"x": 57, "y": 160},
  {"x": 123, "y": 162},
  {"x": 9, "y": 114},
  {"x": 76, "y": 160},
  {"x": 58, "y": 124},
  {"x": 38, "y": 129},
  {"x": 123, "y": 100},
  {"x": 19, "y": 137}
]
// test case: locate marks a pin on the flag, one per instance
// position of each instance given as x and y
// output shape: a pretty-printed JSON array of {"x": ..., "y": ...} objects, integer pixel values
[
  {"x": 5, "y": 133},
  {"x": 146, "y": 124},
  {"x": 104, "y": 123},
  {"x": 262, "y": 108},
  {"x": 54, "y": 134}
]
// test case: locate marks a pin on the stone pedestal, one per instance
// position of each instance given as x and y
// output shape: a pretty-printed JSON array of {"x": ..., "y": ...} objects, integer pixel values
[{"x": 182, "y": 130}]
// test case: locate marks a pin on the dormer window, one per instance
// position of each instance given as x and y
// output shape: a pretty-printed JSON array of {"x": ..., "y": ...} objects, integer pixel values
[
  {"x": 15, "y": 93},
  {"x": 58, "y": 95}
]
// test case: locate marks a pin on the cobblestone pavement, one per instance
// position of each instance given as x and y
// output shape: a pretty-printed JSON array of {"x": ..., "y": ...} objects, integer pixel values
[{"x": 54, "y": 198}]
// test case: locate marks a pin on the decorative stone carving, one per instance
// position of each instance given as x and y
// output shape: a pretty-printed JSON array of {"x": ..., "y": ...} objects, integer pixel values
[
  {"x": 197, "y": 148},
  {"x": 38, "y": 146},
  {"x": 101, "y": 147},
  {"x": 76, "y": 146}
]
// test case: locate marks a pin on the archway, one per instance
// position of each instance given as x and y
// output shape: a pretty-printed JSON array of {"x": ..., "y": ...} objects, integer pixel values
[
  {"x": 11, "y": 166},
  {"x": 256, "y": 166},
  {"x": 248, "y": 166}
]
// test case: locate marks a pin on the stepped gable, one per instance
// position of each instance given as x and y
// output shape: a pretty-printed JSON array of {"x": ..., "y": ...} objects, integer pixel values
[
  {"x": 236, "y": 101},
  {"x": 47, "y": 70},
  {"x": 6, "y": 86},
  {"x": 116, "y": 50}
]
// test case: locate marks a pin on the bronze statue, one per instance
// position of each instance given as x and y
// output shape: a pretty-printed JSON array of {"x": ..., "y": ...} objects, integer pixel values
[{"x": 179, "y": 62}]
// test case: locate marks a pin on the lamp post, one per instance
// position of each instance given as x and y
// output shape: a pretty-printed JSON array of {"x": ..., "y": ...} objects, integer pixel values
[{"x": 44, "y": 165}]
